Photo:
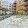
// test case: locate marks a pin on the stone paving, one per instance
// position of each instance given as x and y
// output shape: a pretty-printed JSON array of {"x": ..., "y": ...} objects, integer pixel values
[{"x": 7, "y": 24}]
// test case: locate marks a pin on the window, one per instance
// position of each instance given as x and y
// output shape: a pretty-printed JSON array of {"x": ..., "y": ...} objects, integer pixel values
[
  {"x": 2, "y": 5},
  {"x": 6, "y": 5},
  {"x": 14, "y": 3},
  {"x": 9, "y": 6},
  {"x": 2, "y": 2},
  {"x": 14, "y": 6},
  {"x": 26, "y": 3},
  {"x": 15, "y": 9},
  {"x": 26, "y": 0},
  {"x": 26, "y": 8}
]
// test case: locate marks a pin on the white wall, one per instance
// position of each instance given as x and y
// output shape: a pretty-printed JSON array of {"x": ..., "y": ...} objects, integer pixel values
[{"x": 5, "y": 5}]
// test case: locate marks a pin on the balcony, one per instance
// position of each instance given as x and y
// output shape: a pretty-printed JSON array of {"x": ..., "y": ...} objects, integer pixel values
[
  {"x": 27, "y": 3},
  {"x": 27, "y": 9}
]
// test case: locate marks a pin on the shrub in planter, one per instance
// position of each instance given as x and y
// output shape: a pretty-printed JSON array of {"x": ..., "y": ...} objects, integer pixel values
[
  {"x": 6, "y": 14},
  {"x": 2, "y": 14}
]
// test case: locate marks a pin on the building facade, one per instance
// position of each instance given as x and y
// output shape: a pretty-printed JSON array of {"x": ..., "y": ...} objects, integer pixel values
[
  {"x": 0, "y": 8},
  {"x": 14, "y": 8},
  {"x": 7, "y": 5},
  {"x": 0, "y": 3},
  {"x": 26, "y": 6},
  {"x": 20, "y": 6},
  {"x": 0, "y": 11}
]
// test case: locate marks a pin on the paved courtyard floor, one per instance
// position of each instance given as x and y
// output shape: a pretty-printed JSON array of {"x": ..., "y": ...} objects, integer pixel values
[{"x": 7, "y": 24}]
